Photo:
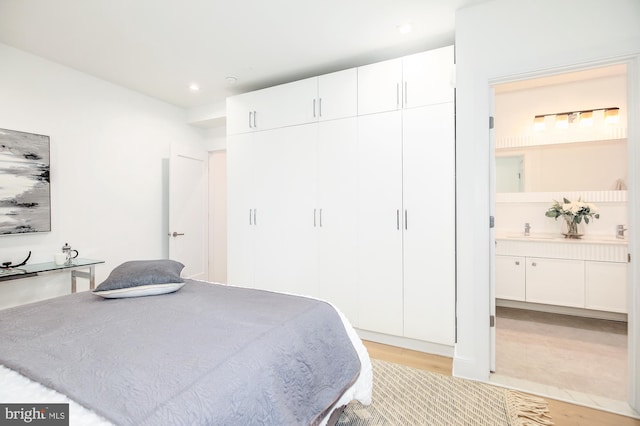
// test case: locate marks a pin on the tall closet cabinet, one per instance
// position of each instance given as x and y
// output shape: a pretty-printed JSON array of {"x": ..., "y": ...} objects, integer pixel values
[{"x": 347, "y": 192}]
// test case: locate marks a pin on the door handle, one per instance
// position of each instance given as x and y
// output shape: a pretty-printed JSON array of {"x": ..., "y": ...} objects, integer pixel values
[{"x": 175, "y": 234}]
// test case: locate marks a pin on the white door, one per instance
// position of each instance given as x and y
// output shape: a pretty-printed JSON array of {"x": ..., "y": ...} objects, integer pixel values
[
  {"x": 492, "y": 236},
  {"x": 240, "y": 210},
  {"x": 379, "y": 222},
  {"x": 337, "y": 215},
  {"x": 379, "y": 87},
  {"x": 296, "y": 262},
  {"x": 429, "y": 223},
  {"x": 337, "y": 95},
  {"x": 188, "y": 230},
  {"x": 427, "y": 77}
]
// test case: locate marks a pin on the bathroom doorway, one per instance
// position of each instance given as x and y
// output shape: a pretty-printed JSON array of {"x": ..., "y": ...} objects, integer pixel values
[{"x": 554, "y": 319}]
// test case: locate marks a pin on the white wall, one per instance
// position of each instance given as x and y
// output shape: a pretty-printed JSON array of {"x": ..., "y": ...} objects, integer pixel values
[
  {"x": 218, "y": 216},
  {"x": 495, "y": 40},
  {"x": 109, "y": 151}
]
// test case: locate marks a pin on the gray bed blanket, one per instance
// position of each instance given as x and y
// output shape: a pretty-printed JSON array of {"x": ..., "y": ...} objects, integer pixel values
[{"x": 207, "y": 354}]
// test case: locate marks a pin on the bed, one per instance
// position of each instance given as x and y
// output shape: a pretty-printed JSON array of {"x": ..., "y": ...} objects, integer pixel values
[{"x": 182, "y": 352}]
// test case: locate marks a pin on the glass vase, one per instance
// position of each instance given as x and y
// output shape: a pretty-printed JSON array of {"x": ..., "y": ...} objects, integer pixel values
[{"x": 571, "y": 230}]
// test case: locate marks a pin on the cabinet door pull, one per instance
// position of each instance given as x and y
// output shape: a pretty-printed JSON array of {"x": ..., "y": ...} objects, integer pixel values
[
  {"x": 534, "y": 264},
  {"x": 255, "y": 216},
  {"x": 398, "y": 219},
  {"x": 314, "y": 218},
  {"x": 405, "y": 94},
  {"x": 406, "y": 226},
  {"x": 314, "y": 108},
  {"x": 254, "y": 119},
  {"x": 250, "y": 220},
  {"x": 320, "y": 218},
  {"x": 320, "y": 113},
  {"x": 517, "y": 263},
  {"x": 250, "y": 124},
  {"x": 397, "y": 95}
]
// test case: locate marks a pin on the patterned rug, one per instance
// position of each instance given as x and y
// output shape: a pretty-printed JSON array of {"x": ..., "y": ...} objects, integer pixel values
[{"x": 408, "y": 396}]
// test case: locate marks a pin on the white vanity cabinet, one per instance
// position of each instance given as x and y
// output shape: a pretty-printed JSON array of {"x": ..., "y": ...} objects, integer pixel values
[
  {"x": 584, "y": 274},
  {"x": 555, "y": 281},
  {"x": 424, "y": 78},
  {"x": 606, "y": 286},
  {"x": 510, "y": 277}
]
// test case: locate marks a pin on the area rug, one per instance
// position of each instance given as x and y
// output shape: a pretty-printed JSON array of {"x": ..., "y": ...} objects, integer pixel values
[{"x": 408, "y": 396}]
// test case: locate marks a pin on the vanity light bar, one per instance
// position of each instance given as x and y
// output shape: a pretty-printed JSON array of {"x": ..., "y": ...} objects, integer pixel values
[{"x": 611, "y": 116}]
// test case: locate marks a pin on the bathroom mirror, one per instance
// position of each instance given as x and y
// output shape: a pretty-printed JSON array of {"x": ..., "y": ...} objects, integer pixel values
[{"x": 580, "y": 166}]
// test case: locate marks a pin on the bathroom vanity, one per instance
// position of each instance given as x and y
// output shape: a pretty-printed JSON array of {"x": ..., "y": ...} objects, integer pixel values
[{"x": 588, "y": 276}]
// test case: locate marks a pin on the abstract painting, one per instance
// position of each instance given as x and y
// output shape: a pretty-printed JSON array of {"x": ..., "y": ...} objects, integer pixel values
[{"x": 25, "y": 196}]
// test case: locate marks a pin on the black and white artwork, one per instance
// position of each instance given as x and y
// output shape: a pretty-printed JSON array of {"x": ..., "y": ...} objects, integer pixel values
[{"x": 25, "y": 197}]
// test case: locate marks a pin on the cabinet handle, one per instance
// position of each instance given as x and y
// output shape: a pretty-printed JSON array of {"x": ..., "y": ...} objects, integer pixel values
[
  {"x": 314, "y": 108},
  {"x": 250, "y": 114},
  {"x": 320, "y": 218},
  {"x": 406, "y": 226},
  {"x": 398, "y": 219},
  {"x": 250, "y": 221},
  {"x": 255, "y": 216},
  {"x": 534, "y": 264},
  {"x": 254, "y": 119},
  {"x": 517, "y": 263},
  {"x": 405, "y": 94},
  {"x": 320, "y": 115},
  {"x": 314, "y": 216},
  {"x": 397, "y": 95}
]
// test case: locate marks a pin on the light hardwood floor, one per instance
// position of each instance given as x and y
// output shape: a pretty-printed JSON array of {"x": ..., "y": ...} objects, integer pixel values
[{"x": 562, "y": 413}]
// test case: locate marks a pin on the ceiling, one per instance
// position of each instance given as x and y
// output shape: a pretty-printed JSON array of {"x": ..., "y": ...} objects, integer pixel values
[{"x": 160, "y": 47}]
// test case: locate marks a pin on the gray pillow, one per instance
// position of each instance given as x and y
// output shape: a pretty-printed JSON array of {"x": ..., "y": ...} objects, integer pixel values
[{"x": 142, "y": 278}]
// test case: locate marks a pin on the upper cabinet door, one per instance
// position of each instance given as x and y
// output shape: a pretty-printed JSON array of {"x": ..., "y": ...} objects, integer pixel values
[
  {"x": 337, "y": 95},
  {"x": 428, "y": 78},
  {"x": 240, "y": 111},
  {"x": 245, "y": 112},
  {"x": 290, "y": 104},
  {"x": 379, "y": 87}
]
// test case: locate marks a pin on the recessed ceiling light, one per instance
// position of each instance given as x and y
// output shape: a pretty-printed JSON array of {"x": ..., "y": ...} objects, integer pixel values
[
  {"x": 230, "y": 80},
  {"x": 194, "y": 87},
  {"x": 404, "y": 28}
]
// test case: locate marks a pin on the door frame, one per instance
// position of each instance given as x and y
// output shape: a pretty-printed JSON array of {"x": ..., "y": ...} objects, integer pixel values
[{"x": 633, "y": 201}]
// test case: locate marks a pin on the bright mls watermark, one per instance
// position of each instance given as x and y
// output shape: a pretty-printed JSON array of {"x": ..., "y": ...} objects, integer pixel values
[{"x": 34, "y": 414}]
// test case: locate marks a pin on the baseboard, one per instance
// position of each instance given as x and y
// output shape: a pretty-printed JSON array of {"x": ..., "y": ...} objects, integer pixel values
[
  {"x": 404, "y": 342},
  {"x": 564, "y": 310}
]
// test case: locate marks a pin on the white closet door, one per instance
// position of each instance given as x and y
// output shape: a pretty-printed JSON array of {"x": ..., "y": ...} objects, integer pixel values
[
  {"x": 268, "y": 221},
  {"x": 429, "y": 229},
  {"x": 379, "y": 87},
  {"x": 290, "y": 104},
  {"x": 337, "y": 95},
  {"x": 428, "y": 77},
  {"x": 240, "y": 205},
  {"x": 379, "y": 217},
  {"x": 337, "y": 216},
  {"x": 297, "y": 256}
]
